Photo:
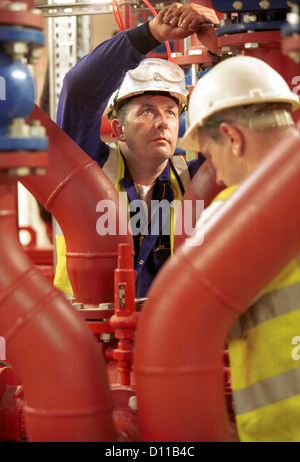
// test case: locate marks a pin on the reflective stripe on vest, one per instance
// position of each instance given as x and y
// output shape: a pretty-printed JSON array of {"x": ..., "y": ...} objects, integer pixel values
[
  {"x": 265, "y": 376},
  {"x": 259, "y": 394},
  {"x": 279, "y": 302},
  {"x": 278, "y": 422}
]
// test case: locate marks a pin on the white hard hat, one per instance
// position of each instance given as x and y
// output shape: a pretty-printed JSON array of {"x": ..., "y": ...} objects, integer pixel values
[
  {"x": 152, "y": 75},
  {"x": 237, "y": 81}
]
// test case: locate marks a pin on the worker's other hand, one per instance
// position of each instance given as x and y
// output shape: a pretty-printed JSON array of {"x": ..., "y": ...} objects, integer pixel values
[{"x": 177, "y": 21}]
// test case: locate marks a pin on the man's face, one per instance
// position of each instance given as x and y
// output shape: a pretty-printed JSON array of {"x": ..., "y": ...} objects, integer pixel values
[
  {"x": 220, "y": 154},
  {"x": 151, "y": 128}
]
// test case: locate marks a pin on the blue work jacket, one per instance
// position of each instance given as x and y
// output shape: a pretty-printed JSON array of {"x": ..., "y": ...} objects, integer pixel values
[{"x": 82, "y": 102}]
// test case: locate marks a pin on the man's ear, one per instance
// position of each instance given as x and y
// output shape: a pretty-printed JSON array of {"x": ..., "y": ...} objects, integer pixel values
[
  {"x": 118, "y": 129},
  {"x": 234, "y": 136}
]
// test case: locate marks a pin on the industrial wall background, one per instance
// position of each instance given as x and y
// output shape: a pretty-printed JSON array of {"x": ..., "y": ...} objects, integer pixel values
[{"x": 74, "y": 370}]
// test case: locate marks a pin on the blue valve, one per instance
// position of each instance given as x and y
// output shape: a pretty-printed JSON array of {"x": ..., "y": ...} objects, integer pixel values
[
  {"x": 17, "y": 91},
  {"x": 17, "y": 94}
]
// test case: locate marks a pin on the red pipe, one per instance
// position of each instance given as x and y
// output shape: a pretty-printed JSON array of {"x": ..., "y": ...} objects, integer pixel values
[
  {"x": 70, "y": 190},
  {"x": 55, "y": 356},
  {"x": 127, "y": 14},
  {"x": 124, "y": 320},
  {"x": 180, "y": 390},
  {"x": 203, "y": 187},
  {"x": 272, "y": 54}
]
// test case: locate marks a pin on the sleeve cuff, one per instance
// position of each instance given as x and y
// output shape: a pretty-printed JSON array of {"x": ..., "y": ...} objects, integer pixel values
[{"x": 142, "y": 39}]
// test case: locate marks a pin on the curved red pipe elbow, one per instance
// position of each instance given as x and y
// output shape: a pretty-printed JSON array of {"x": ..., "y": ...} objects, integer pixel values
[
  {"x": 199, "y": 294},
  {"x": 55, "y": 356},
  {"x": 203, "y": 187},
  {"x": 71, "y": 189}
]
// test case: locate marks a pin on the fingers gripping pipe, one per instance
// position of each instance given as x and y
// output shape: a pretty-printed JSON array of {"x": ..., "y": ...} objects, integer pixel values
[
  {"x": 183, "y": 330},
  {"x": 67, "y": 395}
]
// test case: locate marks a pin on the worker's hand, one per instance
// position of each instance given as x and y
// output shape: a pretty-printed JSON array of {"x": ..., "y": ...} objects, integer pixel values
[{"x": 177, "y": 22}]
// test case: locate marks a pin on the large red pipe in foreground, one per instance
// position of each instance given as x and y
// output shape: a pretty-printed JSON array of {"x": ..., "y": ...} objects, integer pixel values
[
  {"x": 71, "y": 189},
  {"x": 54, "y": 354},
  {"x": 200, "y": 292}
]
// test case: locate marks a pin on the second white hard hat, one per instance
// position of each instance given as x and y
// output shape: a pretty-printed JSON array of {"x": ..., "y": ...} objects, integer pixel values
[
  {"x": 237, "y": 81},
  {"x": 152, "y": 75}
]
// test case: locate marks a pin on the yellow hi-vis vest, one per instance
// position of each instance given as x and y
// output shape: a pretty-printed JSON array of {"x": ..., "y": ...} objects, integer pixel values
[
  {"x": 114, "y": 168},
  {"x": 265, "y": 360}
]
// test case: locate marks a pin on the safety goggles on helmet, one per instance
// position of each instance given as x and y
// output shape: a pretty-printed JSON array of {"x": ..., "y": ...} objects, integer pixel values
[
  {"x": 152, "y": 75},
  {"x": 151, "y": 68}
]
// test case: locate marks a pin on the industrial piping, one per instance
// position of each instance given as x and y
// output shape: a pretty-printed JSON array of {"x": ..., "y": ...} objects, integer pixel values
[
  {"x": 52, "y": 351},
  {"x": 184, "y": 327},
  {"x": 55, "y": 356},
  {"x": 71, "y": 189}
]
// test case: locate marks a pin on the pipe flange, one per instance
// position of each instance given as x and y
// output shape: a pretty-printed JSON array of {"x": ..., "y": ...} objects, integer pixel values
[
  {"x": 236, "y": 42},
  {"x": 232, "y": 6},
  {"x": 20, "y": 42},
  {"x": 9, "y": 143},
  {"x": 249, "y": 27},
  {"x": 17, "y": 14},
  {"x": 24, "y": 160},
  {"x": 23, "y": 136},
  {"x": 251, "y": 15},
  {"x": 24, "y": 171},
  {"x": 21, "y": 34}
]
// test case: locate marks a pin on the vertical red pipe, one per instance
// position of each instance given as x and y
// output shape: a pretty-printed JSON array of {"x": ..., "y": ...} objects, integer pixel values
[
  {"x": 54, "y": 354},
  {"x": 199, "y": 294},
  {"x": 124, "y": 320},
  {"x": 70, "y": 190},
  {"x": 127, "y": 15}
]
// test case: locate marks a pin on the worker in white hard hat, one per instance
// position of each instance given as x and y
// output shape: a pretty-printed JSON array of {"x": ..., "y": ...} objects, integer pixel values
[
  {"x": 148, "y": 97},
  {"x": 238, "y": 112}
]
